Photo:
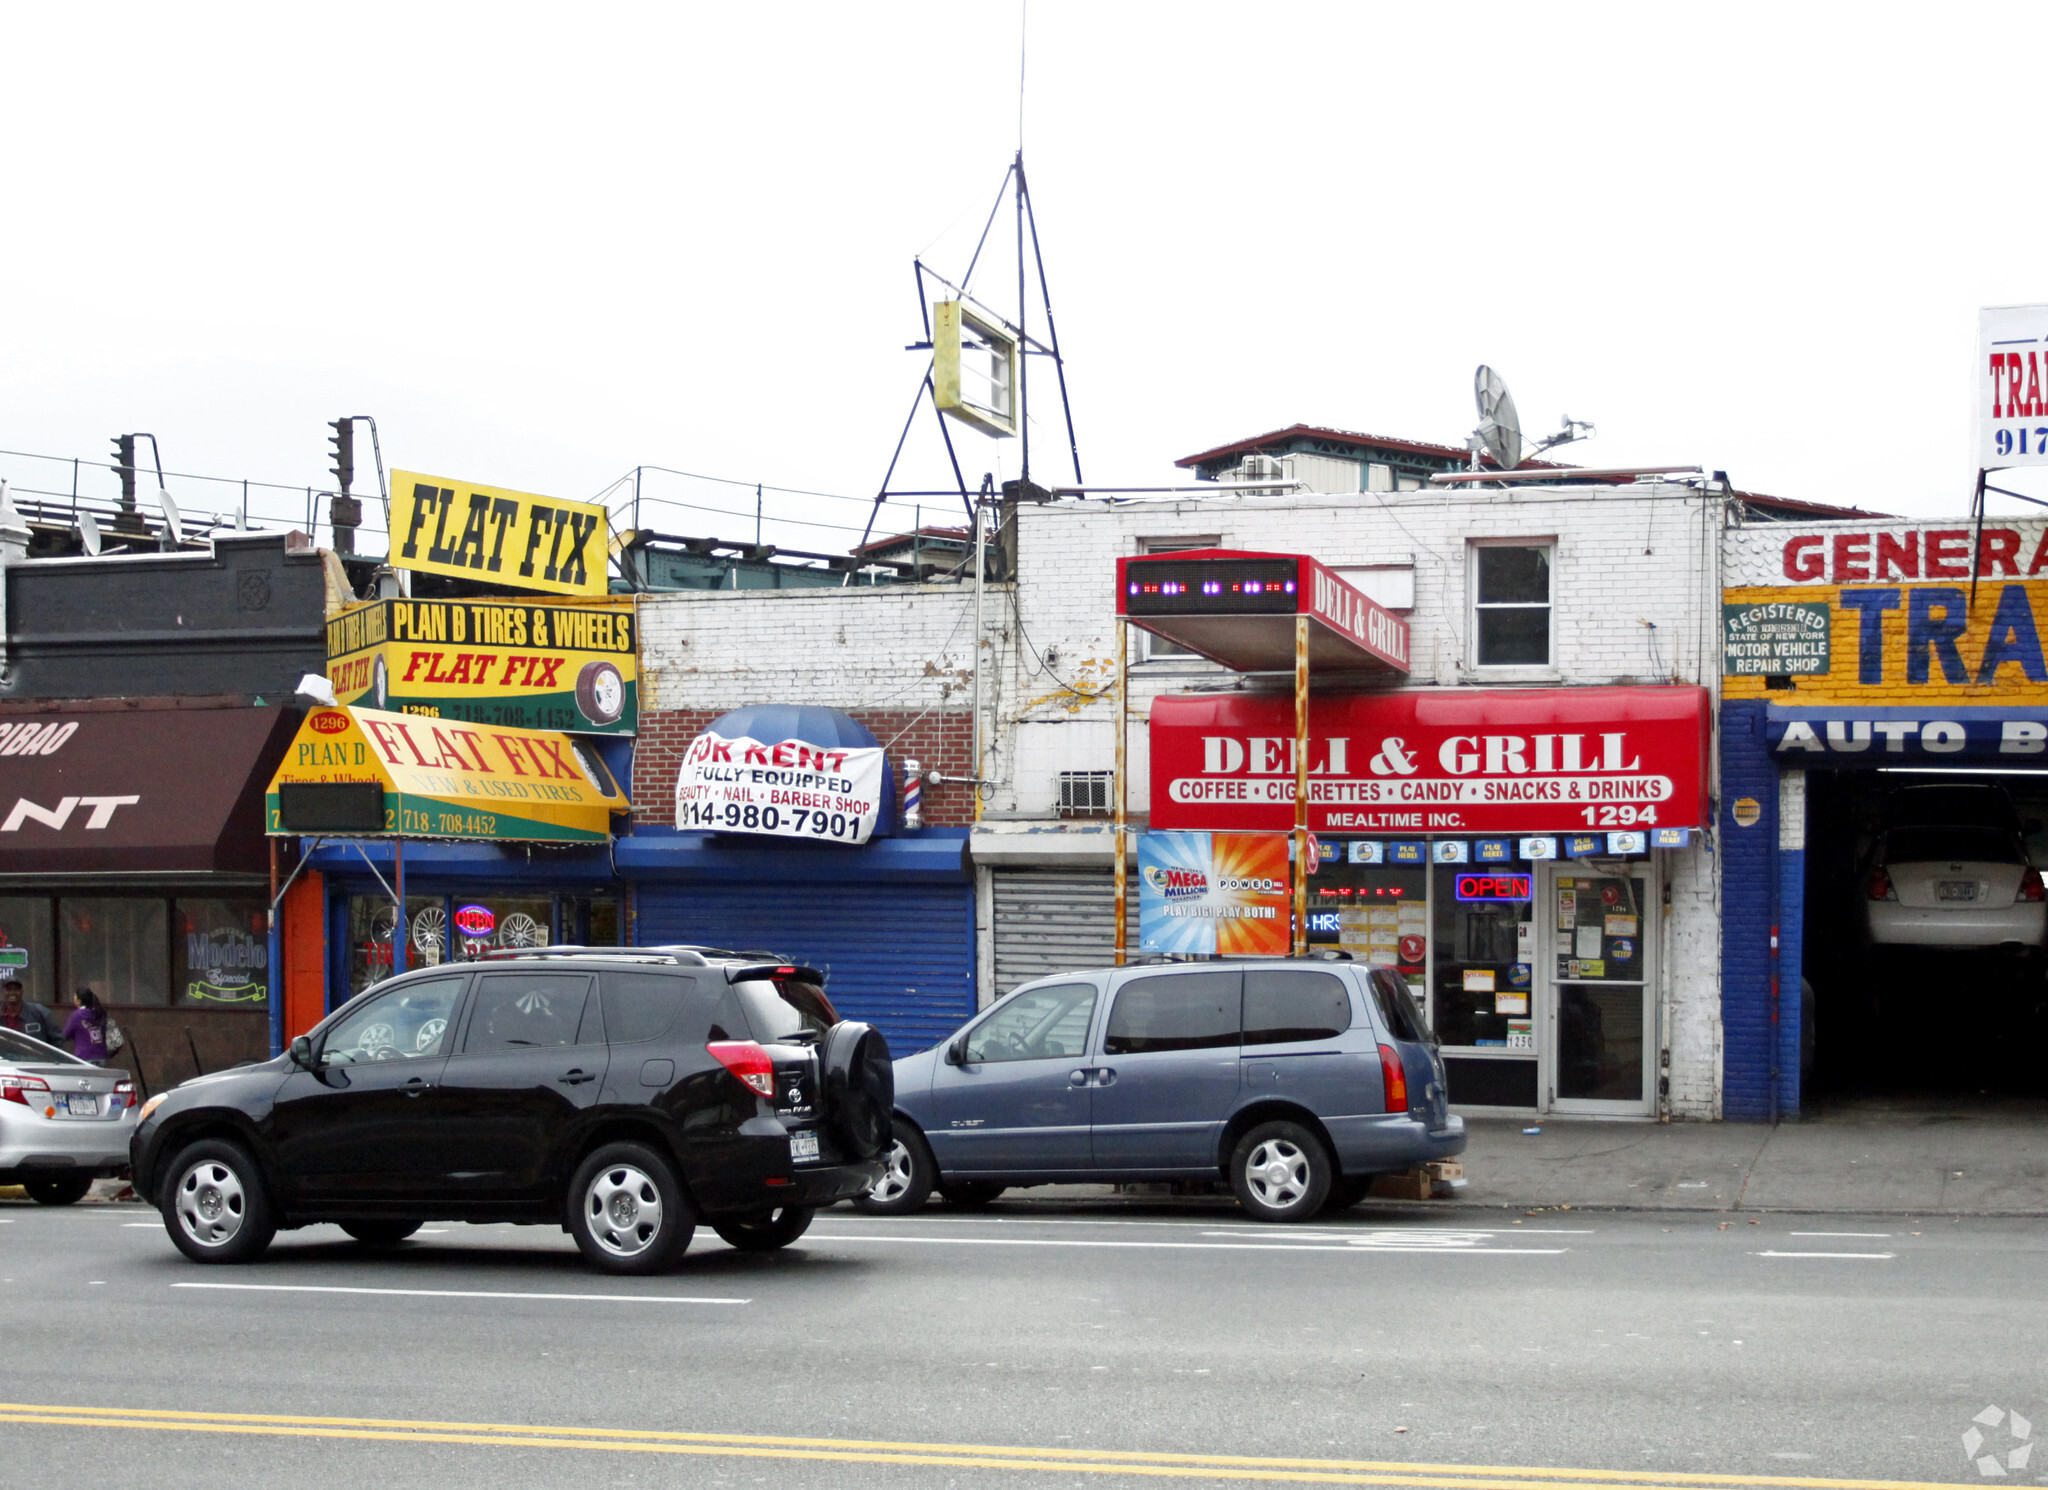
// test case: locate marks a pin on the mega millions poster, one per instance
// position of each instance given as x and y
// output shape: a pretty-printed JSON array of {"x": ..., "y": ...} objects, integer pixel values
[{"x": 1222, "y": 893}]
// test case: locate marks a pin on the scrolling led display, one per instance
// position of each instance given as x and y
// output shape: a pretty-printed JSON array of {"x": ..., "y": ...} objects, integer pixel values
[{"x": 1212, "y": 587}]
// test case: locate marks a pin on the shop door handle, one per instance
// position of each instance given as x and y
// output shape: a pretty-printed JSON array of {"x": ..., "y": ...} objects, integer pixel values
[{"x": 576, "y": 1077}]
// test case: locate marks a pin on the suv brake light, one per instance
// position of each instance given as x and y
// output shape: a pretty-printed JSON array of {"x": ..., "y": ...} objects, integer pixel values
[
  {"x": 1881, "y": 885},
  {"x": 1395, "y": 1078},
  {"x": 17, "y": 1088},
  {"x": 746, "y": 1060},
  {"x": 2031, "y": 887}
]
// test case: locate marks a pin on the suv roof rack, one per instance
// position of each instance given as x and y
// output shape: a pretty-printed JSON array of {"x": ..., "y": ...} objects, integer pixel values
[{"x": 694, "y": 956}]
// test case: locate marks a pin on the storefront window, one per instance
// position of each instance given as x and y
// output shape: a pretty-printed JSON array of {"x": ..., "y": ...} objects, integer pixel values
[
  {"x": 28, "y": 948},
  {"x": 1377, "y": 911},
  {"x": 221, "y": 954},
  {"x": 1485, "y": 954},
  {"x": 116, "y": 947},
  {"x": 370, "y": 922},
  {"x": 484, "y": 923}
]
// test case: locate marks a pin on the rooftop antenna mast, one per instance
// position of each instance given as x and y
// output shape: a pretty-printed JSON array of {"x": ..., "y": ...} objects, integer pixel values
[{"x": 980, "y": 358}]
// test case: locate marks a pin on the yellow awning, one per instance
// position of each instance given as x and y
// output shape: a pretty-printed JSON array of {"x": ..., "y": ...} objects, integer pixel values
[{"x": 440, "y": 778}]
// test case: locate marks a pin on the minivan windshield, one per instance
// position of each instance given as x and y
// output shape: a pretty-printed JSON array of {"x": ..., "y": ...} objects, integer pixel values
[{"x": 783, "y": 1010}]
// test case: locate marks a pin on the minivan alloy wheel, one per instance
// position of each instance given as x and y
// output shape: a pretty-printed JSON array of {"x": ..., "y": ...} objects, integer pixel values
[
  {"x": 895, "y": 1175},
  {"x": 1277, "y": 1172},
  {"x": 624, "y": 1210}
]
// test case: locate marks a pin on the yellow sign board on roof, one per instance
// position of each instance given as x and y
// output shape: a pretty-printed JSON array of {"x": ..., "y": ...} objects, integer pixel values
[
  {"x": 443, "y": 526},
  {"x": 371, "y": 773}
]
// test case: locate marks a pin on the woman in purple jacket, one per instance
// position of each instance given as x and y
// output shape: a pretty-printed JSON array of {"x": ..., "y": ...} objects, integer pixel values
[{"x": 87, "y": 1028}]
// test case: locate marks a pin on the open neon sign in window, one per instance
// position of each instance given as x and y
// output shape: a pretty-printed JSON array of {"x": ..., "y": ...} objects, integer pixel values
[{"x": 1494, "y": 887}]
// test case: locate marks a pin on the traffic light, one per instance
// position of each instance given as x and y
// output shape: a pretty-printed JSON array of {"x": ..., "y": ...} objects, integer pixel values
[
  {"x": 344, "y": 442},
  {"x": 124, "y": 465}
]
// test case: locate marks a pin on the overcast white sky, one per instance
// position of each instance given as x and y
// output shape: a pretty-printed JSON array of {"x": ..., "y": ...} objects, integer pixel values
[{"x": 545, "y": 245}]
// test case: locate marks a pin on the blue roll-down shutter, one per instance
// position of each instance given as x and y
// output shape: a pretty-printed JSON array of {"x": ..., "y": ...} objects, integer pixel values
[{"x": 897, "y": 956}]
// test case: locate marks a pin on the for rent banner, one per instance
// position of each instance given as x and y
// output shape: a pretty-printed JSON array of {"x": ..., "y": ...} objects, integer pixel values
[
  {"x": 789, "y": 789},
  {"x": 1539, "y": 760},
  {"x": 1222, "y": 893}
]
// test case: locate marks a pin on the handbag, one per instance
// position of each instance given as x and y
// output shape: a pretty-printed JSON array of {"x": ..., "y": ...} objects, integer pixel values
[{"x": 111, "y": 1035}]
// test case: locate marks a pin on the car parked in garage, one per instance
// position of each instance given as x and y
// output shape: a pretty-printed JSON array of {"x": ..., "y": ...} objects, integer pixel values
[
  {"x": 1955, "y": 885},
  {"x": 1295, "y": 1080},
  {"x": 63, "y": 1122},
  {"x": 620, "y": 1094}
]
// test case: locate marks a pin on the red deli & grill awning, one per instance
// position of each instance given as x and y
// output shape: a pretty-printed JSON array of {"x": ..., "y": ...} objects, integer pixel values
[{"x": 1451, "y": 761}]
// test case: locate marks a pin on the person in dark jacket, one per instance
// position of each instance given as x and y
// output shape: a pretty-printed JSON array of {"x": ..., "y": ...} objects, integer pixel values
[{"x": 33, "y": 1020}]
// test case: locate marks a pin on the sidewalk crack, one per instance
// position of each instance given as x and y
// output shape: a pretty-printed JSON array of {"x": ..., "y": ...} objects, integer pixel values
[{"x": 1743, "y": 1189}]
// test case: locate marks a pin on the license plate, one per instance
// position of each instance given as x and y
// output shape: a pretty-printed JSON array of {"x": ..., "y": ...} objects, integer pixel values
[
  {"x": 83, "y": 1104},
  {"x": 803, "y": 1146},
  {"x": 1956, "y": 890}
]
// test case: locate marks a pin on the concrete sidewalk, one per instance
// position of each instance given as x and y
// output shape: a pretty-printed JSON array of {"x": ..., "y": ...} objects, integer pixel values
[{"x": 1914, "y": 1157}]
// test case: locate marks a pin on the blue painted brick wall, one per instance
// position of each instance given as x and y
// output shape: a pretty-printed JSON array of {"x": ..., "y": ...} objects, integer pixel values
[{"x": 1761, "y": 888}]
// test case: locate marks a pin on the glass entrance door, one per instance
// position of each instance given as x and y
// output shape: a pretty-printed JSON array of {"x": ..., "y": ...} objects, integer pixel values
[{"x": 1601, "y": 1032}]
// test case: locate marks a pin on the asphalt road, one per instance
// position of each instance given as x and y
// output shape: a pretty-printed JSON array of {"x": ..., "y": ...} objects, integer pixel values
[{"x": 1037, "y": 1344}]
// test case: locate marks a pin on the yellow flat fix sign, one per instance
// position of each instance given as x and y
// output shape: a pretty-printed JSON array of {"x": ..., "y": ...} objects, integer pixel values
[{"x": 443, "y": 526}]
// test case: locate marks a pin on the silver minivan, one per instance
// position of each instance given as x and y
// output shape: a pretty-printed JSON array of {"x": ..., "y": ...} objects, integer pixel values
[{"x": 1296, "y": 1080}]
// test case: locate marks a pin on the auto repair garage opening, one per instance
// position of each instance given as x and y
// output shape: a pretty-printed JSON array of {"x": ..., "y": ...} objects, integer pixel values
[{"x": 1884, "y": 739}]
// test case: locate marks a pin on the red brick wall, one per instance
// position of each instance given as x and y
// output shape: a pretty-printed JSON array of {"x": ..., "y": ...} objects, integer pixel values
[{"x": 941, "y": 740}]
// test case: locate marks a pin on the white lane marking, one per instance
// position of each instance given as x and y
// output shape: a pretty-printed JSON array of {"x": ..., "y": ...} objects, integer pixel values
[
  {"x": 1422, "y": 1233},
  {"x": 995, "y": 1241},
  {"x": 458, "y": 1293},
  {"x": 1870, "y": 1256},
  {"x": 146, "y": 1225},
  {"x": 938, "y": 1219},
  {"x": 1867, "y": 1235}
]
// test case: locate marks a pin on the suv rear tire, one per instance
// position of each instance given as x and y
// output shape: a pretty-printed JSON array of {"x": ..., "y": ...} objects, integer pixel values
[
  {"x": 765, "y": 1231},
  {"x": 68, "y": 1190},
  {"x": 1280, "y": 1171},
  {"x": 628, "y": 1212},
  {"x": 381, "y": 1233},
  {"x": 214, "y": 1203},
  {"x": 908, "y": 1175},
  {"x": 970, "y": 1195}
]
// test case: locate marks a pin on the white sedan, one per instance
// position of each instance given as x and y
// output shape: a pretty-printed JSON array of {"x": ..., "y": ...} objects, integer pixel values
[
  {"x": 63, "y": 1122},
  {"x": 1955, "y": 887}
]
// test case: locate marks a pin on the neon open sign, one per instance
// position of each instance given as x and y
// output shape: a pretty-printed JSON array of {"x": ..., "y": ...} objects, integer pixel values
[{"x": 1494, "y": 887}]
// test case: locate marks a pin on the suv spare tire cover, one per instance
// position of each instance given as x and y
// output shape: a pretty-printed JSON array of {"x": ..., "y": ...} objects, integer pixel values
[{"x": 860, "y": 1088}]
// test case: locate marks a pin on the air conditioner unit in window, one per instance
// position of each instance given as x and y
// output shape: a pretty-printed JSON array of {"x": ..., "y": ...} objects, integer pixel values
[{"x": 1087, "y": 793}]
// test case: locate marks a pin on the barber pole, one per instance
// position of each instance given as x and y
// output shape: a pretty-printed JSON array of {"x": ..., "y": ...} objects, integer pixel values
[{"x": 913, "y": 795}]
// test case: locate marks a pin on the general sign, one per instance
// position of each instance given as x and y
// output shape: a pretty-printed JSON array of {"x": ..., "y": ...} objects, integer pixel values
[
  {"x": 789, "y": 789},
  {"x": 532, "y": 666},
  {"x": 443, "y": 526},
  {"x": 1450, "y": 761},
  {"x": 1919, "y": 615}
]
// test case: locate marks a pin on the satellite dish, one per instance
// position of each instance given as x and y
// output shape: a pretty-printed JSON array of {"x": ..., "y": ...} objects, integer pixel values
[
  {"x": 172, "y": 523},
  {"x": 1500, "y": 430},
  {"x": 89, "y": 532}
]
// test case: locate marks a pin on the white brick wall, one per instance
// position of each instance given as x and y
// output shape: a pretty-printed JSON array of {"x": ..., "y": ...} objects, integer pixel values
[{"x": 1624, "y": 556}]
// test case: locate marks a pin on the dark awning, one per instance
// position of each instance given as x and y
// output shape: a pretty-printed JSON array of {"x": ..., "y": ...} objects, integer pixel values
[{"x": 137, "y": 791}]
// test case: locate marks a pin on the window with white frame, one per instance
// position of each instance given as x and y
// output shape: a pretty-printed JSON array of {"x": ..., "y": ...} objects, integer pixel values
[
  {"x": 1511, "y": 602},
  {"x": 1152, "y": 647}
]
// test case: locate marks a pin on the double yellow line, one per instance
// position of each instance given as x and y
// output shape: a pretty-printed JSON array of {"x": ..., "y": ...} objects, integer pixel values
[{"x": 936, "y": 1455}]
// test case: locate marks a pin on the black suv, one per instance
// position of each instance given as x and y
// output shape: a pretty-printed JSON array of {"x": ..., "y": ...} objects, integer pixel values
[{"x": 619, "y": 1093}]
